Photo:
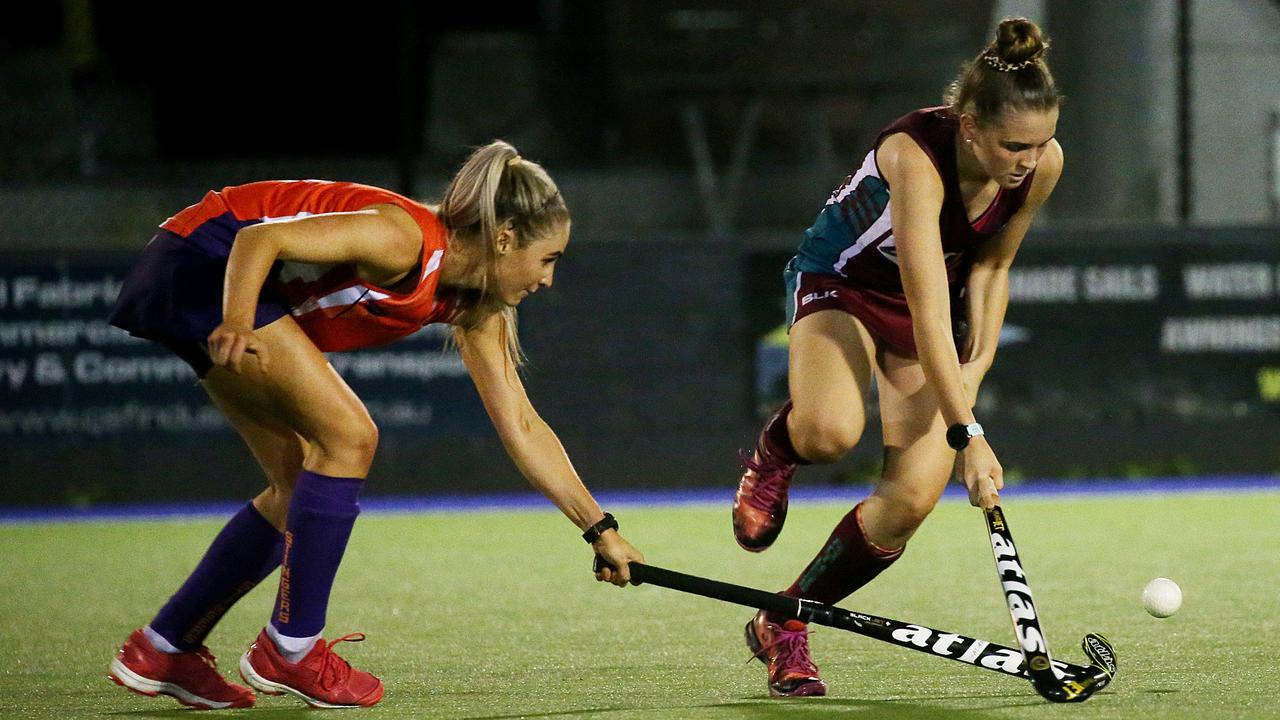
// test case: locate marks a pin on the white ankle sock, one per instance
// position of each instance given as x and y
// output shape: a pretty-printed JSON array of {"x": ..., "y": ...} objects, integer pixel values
[
  {"x": 293, "y": 649},
  {"x": 159, "y": 643}
]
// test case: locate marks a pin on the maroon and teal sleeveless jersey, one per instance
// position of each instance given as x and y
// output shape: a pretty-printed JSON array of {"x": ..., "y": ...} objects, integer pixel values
[
  {"x": 336, "y": 309},
  {"x": 853, "y": 234}
]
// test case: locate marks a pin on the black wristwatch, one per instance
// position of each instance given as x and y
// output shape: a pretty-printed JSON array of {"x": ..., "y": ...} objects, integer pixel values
[
  {"x": 594, "y": 532},
  {"x": 959, "y": 435}
]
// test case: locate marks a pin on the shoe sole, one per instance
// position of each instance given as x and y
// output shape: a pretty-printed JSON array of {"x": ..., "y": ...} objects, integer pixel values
[
  {"x": 132, "y": 681},
  {"x": 817, "y": 688},
  {"x": 269, "y": 687},
  {"x": 751, "y": 548},
  {"x": 755, "y": 545}
]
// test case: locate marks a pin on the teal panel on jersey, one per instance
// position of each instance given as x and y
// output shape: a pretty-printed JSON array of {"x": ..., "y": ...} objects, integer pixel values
[{"x": 840, "y": 224}]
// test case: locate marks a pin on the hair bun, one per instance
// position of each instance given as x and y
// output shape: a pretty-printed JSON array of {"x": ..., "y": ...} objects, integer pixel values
[{"x": 1018, "y": 40}]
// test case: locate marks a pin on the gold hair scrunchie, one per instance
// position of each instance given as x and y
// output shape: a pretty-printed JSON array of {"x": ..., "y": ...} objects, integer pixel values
[
  {"x": 994, "y": 61},
  {"x": 514, "y": 160}
]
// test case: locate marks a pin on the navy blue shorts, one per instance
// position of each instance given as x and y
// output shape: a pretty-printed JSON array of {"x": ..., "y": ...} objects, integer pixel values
[{"x": 173, "y": 295}]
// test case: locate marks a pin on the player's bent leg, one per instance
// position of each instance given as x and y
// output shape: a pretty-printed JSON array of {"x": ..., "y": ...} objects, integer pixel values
[
  {"x": 339, "y": 439},
  {"x": 873, "y": 535},
  {"x": 918, "y": 461},
  {"x": 830, "y": 359},
  {"x": 303, "y": 392},
  {"x": 189, "y": 677},
  {"x": 278, "y": 450},
  {"x": 247, "y": 549},
  {"x": 905, "y": 496},
  {"x": 830, "y": 364}
]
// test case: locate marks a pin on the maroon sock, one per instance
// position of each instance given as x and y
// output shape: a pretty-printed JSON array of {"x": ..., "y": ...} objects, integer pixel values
[
  {"x": 846, "y": 562},
  {"x": 774, "y": 445}
]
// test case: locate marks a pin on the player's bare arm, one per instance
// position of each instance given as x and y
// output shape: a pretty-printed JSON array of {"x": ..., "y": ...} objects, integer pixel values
[
  {"x": 918, "y": 193},
  {"x": 917, "y": 201},
  {"x": 533, "y": 446},
  {"x": 382, "y": 241}
]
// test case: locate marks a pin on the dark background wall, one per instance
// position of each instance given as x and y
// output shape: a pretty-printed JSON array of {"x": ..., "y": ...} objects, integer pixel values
[{"x": 694, "y": 141}]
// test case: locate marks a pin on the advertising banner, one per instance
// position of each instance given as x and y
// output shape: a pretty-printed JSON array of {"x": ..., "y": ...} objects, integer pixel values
[{"x": 65, "y": 372}]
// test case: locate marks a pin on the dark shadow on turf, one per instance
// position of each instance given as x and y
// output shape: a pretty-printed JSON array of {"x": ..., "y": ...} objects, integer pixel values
[
  {"x": 558, "y": 713},
  {"x": 783, "y": 708},
  {"x": 880, "y": 709},
  {"x": 258, "y": 713}
]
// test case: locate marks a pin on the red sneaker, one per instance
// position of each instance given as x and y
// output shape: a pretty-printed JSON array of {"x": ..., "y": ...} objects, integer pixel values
[
  {"x": 785, "y": 650},
  {"x": 191, "y": 678},
  {"x": 321, "y": 679},
  {"x": 760, "y": 505}
]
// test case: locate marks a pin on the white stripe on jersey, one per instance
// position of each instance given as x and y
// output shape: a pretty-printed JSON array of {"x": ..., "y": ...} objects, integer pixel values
[
  {"x": 868, "y": 168},
  {"x": 433, "y": 264},
  {"x": 883, "y": 225},
  {"x": 345, "y": 296},
  {"x": 282, "y": 218},
  {"x": 310, "y": 272}
]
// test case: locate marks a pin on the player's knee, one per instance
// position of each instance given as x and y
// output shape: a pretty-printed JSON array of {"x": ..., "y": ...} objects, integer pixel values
[
  {"x": 353, "y": 440},
  {"x": 826, "y": 439},
  {"x": 273, "y": 504},
  {"x": 909, "y": 511}
]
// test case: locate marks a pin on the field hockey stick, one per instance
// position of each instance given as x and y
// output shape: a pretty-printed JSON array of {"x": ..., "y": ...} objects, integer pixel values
[
  {"x": 980, "y": 653},
  {"x": 1051, "y": 685}
]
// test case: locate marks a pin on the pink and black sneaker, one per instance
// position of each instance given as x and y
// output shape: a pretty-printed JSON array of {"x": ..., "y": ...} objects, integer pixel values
[
  {"x": 785, "y": 650},
  {"x": 191, "y": 678},
  {"x": 760, "y": 504}
]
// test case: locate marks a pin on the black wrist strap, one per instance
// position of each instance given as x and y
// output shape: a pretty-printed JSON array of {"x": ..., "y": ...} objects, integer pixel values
[
  {"x": 959, "y": 435},
  {"x": 594, "y": 532}
]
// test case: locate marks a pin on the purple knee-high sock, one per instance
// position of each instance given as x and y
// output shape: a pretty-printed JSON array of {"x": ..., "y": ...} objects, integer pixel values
[
  {"x": 321, "y": 514},
  {"x": 246, "y": 550}
]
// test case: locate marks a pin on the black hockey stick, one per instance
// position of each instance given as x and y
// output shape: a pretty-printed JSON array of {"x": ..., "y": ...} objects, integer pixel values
[
  {"x": 1051, "y": 684},
  {"x": 980, "y": 653}
]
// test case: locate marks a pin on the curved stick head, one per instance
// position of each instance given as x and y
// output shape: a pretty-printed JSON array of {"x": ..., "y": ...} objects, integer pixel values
[
  {"x": 1077, "y": 689},
  {"x": 1099, "y": 674},
  {"x": 1100, "y": 653}
]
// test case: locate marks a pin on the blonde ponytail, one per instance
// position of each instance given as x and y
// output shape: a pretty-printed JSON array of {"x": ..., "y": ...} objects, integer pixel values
[{"x": 496, "y": 188}]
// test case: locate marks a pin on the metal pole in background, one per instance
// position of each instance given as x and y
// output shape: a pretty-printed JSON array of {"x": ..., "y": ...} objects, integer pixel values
[
  {"x": 1273, "y": 167},
  {"x": 1184, "y": 111}
]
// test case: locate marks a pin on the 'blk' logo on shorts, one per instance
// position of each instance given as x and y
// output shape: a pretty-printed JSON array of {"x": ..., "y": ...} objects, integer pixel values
[{"x": 817, "y": 296}]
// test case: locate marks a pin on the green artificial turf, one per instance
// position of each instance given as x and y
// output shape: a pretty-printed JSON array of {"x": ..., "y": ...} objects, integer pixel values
[{"x": 494, "y": 614}]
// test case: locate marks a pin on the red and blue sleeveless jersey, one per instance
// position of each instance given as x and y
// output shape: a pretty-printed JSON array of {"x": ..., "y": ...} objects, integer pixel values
[
  {"x": 853, "y": 234},
  {"x": 333, "y": 305}
]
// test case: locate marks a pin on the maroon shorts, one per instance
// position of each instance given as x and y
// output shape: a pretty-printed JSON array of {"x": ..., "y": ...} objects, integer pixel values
[{"x": 885, "y": 315}]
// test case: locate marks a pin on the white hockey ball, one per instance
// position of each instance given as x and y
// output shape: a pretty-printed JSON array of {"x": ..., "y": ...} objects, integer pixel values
[{"x": 1162, "y": 597}]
